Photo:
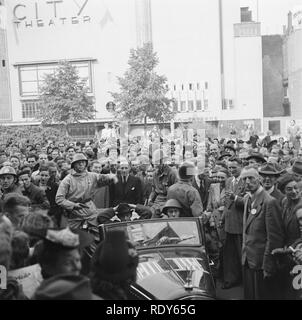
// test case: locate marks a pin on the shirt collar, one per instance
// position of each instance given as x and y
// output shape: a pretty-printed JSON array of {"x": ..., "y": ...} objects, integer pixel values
[
  {"x": 253, "y": 196},
  {"x": 270, "y": 190},
  {"x": 76, "y": 174}
]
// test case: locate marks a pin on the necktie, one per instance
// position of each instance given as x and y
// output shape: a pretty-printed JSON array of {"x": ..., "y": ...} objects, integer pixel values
[{"x": 249, "y": 206}]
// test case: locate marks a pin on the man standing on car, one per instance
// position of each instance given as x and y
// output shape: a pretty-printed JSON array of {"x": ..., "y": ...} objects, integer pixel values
[{"x": 76, "y": 191}]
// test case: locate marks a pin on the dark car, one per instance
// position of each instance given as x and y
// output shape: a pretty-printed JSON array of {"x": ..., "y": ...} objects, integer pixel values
[{"x": 173, "y": 262}]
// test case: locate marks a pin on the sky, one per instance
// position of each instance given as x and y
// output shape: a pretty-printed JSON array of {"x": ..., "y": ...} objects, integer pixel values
[{"x": 272, "y": 13}]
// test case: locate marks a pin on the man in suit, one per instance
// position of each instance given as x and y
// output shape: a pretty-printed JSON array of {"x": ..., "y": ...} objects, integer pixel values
[
  {"x": 202, "y": 183},
  {"x": 129, "y": 189},
  {"x": 233, "y": 225},
  {"x": 262, "y": 233},
  {"x": 270, "y": 174}
]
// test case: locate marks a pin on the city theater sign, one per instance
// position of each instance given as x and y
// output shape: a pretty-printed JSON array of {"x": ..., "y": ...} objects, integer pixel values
[{"x": 32, "y": 16}]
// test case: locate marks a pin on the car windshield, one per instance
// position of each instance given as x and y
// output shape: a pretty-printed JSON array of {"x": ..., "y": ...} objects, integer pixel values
[{"x": 162, "y": 233}]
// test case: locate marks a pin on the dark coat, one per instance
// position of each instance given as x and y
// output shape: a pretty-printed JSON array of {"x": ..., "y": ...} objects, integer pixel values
[
  {"x": 233, "y": 214},
  {"x": 291, "y": 224},
  {"x": 131, "y": 193},
  {"x": 203, "y": 190},
  {"x": 106, "y": 215},
  {"x": 262, "y": 232},
  {"x": 36, "y": 196},
  {"x": 277, "y": 194},
  {"x": 187, "y": 196}
]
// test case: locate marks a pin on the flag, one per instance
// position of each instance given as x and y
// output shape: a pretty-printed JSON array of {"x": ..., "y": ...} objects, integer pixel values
[{"x": 106, "y": 19}]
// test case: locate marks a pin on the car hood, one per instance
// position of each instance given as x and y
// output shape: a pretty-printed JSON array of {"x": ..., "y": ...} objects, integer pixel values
[{"x": 164, "y": 274}]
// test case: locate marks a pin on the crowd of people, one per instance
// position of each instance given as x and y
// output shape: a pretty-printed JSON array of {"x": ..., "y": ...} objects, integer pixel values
[{"x": 248, "y": 194}]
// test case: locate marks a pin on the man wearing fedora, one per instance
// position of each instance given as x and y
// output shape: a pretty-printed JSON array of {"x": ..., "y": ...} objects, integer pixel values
[
  {"x": 256, "y": 159},
  {"x": 270, "y": 173},
  {"x": 296, "y": 170},
  {"x": 262, "y": 233}
]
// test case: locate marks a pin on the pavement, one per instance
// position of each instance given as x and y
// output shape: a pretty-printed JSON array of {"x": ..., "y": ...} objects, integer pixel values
[{"x": 235, "y": 293}]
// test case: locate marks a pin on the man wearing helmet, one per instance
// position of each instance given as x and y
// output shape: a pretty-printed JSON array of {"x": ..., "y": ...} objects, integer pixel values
[
  {"x": 76, "y": 191},
  {"x": 185, "y": 193},
  {"x": 172, "y": 209},
  {"x": 8, "y": 181}
]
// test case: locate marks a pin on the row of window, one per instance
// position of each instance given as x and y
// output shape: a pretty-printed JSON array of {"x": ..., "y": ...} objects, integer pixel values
[
  {"x": 191, "y": 105},
  {"x": 227, "y": 104},
  {"x": 190, "y": 87}
]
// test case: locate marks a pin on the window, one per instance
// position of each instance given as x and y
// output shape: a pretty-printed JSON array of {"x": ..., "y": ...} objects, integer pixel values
[
  {"x": 206, "y": 104},
  {"x": 198, "y": 86},
  {"x": 32, "y": 77},
  {"x": 3, "y": 63},
  {"x": 190, "y": 86},
  {"x": 231, "y": 105},
  {"x": 30, "y": 109},
  {"x": 190, "y": 105},
  {"x": 198, "y": 105},
  {"x": 182, "y": 87},
  {"x": 274, "y": 126},
  {"x": 224, "y": 104},
  {"x": 206, "y": 85},
  {"x": 175, "y": 105},
  {"x": 174, "y": 87},
  {"x": 182, "y": 105}
]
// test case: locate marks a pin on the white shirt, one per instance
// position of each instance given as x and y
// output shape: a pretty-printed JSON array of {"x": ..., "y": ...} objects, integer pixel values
[{"x": 197, "y": 181}]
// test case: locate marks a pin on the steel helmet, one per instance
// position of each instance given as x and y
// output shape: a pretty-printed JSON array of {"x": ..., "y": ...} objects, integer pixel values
[
  {"x": 79, "y": 157},
  {"x": 8, "y": 170},
  {"x": 187, "y": 170},
  {"x": 172, "y": 203}
]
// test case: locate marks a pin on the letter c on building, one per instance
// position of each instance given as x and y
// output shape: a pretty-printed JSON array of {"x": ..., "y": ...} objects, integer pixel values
[{"x": 15, "y": 11}]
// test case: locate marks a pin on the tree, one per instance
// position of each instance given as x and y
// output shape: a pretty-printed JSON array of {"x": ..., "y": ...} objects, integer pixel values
[
  {"x": 64, "y": 98},
  {"x": 142, "y": 93}
]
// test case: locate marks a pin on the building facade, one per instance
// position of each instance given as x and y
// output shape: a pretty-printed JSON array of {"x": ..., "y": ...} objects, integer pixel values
[{"x": 210, "y": 54}]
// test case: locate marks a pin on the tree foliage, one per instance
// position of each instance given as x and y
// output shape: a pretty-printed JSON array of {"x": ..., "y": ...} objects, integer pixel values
[
  {"x": 142, "y": 91},
  {"x": 64, "y": 97}
]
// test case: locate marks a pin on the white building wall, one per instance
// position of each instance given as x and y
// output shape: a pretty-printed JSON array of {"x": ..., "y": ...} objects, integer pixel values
[
  {"x": 185, "y": 37},
  {"x": 110, "y": 20},
  {"x": 248, "y": 79},
  {"x": 231, "y": 15},
  {"x": 294, "y": 70}
]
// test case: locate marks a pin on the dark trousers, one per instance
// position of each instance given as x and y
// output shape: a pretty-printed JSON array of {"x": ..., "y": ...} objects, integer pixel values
[
  {"x": 255, "y": 287},
  {"x": 232, "y": 268}
]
